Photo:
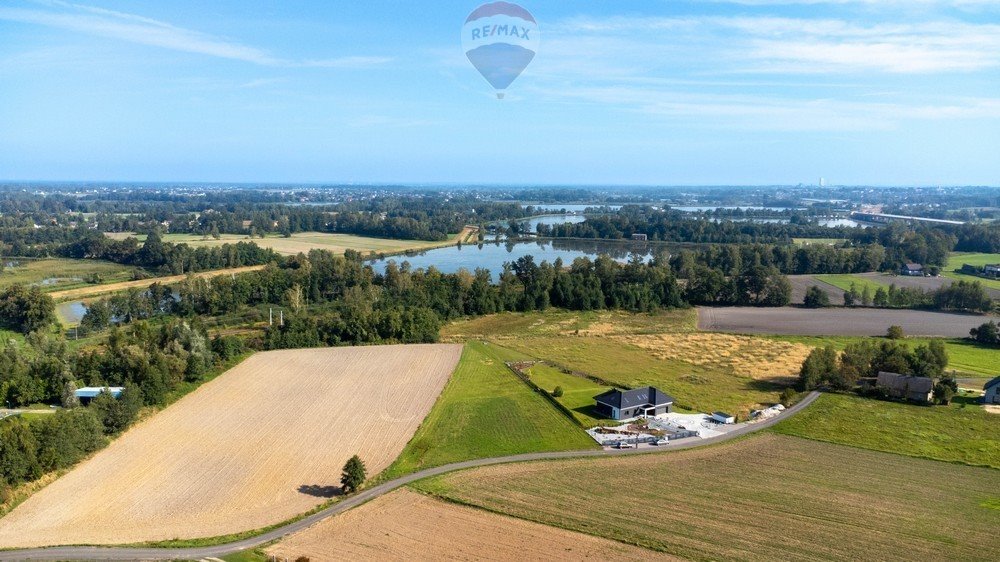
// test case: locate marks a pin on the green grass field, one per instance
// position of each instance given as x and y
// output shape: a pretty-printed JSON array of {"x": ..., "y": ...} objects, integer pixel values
[
  {"x": 60, "y": 274},
  {"x": 766, "y": 497},
  {"x": 966, "y": 357},
  {"x": 578, "y": 392},
  {"x": 305, "y": 241},
  {"x": 486, "y": 411},
  {"x": 962, "y": 432},
  {"x": 823, "y": 241},
  {"x": 628, "y": 350},
  {"x": 843, "y": 282},
  {"x": 957, "y": 259}
]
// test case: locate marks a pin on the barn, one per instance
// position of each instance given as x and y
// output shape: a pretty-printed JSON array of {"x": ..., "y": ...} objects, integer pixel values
[
  {"x": 88, "y": 393},
  {"x": 992, "y": 392}
]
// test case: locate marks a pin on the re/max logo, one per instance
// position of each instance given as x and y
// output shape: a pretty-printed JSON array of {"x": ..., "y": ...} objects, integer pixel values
[{"x": 500, "y": 31}]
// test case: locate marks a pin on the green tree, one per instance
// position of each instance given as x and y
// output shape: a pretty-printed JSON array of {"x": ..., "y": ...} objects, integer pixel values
[
  {"x": 557, "y": 392},
  {"x": 818, "y": 368},
  {"x": 816, "y": 298},
  {"x": 354, "y": 475}
]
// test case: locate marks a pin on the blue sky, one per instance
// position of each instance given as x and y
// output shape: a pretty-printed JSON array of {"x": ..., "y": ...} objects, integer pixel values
[{"x": 653, "y": 92}]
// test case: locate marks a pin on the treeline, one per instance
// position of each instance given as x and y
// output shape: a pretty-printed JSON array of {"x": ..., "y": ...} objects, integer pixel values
[
  {"x": 868, "y": 249},
  {"x": 675, "y": 226},
  {"x": 350, "y": 303},
  {"x": 825, "y": 367},
  {"x": 149, "y": 362},
  {"x": 966, "y": 296},
  {"x": 731, "y": 259},
  {"x": 165, "y": 257}
]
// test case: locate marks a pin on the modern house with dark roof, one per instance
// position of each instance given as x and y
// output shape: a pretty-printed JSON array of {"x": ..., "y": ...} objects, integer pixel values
[
  {"x": 913, "y": 269},
  {"x": 624, "y": 404},
  {"x": 906, "y": 387},
  {"x": 992, "y": 392}
]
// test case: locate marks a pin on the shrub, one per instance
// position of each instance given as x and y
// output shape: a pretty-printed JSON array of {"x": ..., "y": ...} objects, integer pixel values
[
  {"x": 557, "y": 392},
  {"x": 816, "y": 298},
  {"x": 895, "y": 333},
  {"x": 788, "y": 396}
]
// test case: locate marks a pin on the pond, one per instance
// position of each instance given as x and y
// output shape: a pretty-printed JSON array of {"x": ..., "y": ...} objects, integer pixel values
[
  {"x": 492, "y": 256},
  {"x": 71, "y": 312}
]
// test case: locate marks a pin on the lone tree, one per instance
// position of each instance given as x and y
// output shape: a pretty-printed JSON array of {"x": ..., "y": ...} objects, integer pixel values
[
  {"x": 354, "y": 475},
  {"x": 816, "y": 298}
]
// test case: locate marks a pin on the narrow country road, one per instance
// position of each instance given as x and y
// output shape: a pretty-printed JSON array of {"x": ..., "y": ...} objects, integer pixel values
[{"x": 138, "y": 553}]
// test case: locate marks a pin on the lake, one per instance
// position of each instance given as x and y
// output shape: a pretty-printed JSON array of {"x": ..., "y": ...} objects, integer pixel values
[{"x": 492, "y": 256}]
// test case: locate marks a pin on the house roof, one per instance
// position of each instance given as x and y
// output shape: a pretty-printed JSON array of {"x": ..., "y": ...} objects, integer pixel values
[
  {"x": 914, "y": 266},
  {"x": 623, "y": 399},
  {"x": 992, "y": 383},
  {"x": 906, "y": 384}
]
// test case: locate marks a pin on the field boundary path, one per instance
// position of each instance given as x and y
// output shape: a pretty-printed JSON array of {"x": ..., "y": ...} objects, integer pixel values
[
  {"x": 195, "y": 553},
  {"x": 96, "y": 290}
]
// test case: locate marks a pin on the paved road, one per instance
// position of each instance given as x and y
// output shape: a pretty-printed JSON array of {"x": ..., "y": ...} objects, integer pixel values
[{"x": 132, "y": 553}]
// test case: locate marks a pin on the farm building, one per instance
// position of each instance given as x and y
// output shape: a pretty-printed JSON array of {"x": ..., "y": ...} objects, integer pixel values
[
  {"x": 913, "y": 269},
  {"x": 722, "y": 417},
  {"x": 623, "y": 404},
  {"x": 992, "y": 270},
  {"x": 908, "y": 387},
  {"x": 640, "y": 237},
  {"x": 992, "y": 392},
  {"x": 88, "y": 393}
]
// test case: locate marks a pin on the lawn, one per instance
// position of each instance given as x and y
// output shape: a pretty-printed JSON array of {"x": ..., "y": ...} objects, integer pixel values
[
  {"x": 767, "y": 497},
  {"x": 704, "y": 372},
  {"x": 957, "y": 259},
  {"x": 965, "y": 356},
  {"x": 305, "y": 241},
  {"x": 58, "y": 273},
  {"x": 578, "y": 392},
  {"x": 843, "y": 281},
  {"x": 961, "y": 433},
  {"x": 486, "y": 411}
]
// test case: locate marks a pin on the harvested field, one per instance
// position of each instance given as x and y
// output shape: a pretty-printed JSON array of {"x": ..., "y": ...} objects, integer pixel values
[
  {"x": 405, "y": 525},
  {"x": 258, "y": 445},
  {"x": 767, "y": 497},
  {"x": 302, "y": 242},
  {"x": 753, "y": 357},
  {"x": 801, "y": 284},
  {"x": 836, "y": 321},
  {"x": 94, "y": 290},
  {"x": 518, "y": 325}
]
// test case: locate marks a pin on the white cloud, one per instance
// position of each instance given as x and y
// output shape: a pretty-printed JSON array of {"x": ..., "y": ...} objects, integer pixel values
[{"x": 147, "y": 31}]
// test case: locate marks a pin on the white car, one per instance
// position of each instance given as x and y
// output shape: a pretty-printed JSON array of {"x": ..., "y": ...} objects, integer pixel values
[
  {"x": 624, "y": 445},
  {"x": 663, "y": 441}
]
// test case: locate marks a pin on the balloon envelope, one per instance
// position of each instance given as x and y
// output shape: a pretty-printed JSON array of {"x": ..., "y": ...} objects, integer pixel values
[{"x": 500, "y": 40}]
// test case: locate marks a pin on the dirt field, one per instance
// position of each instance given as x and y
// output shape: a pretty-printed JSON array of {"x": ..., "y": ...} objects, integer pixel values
[
  {"x": 405, "y": 525},
  {"x": 768, "y": 497},
  {"x": 94, "y": 290},
  {"x": 836, "y": 321},
  {"x": 256, "y": 446},
  {"x": 801, "y": 283}
]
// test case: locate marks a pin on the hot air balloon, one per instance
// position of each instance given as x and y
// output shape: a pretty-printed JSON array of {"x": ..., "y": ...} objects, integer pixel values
[{"x": 500, "y": 40}]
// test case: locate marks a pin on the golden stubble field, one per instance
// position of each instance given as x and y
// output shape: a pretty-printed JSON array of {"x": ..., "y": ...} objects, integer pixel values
[
  {"x": 260, "y": 444},
  {"x": 405, "y": 525}
]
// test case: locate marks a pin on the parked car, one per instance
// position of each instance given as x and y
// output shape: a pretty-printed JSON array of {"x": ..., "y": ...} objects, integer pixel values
[
  {"x": 663, "y": 441},
  {"x": 625, "y": 445}
]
